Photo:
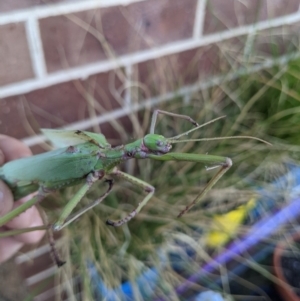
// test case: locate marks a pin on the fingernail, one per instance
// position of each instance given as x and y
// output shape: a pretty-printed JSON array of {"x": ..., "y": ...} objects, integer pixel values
[
  {"x": 2, "y": 202},
  {"x": 6, "y": 199},
  {"x": 1, "y": 158},
  {"x": 2, "y": 190}
]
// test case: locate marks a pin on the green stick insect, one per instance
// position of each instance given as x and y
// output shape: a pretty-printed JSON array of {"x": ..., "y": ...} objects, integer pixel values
[{"x": 86, "y": 158}]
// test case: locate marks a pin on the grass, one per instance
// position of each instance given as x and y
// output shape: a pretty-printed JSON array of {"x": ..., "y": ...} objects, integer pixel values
[{"x": 264, "y": 105}]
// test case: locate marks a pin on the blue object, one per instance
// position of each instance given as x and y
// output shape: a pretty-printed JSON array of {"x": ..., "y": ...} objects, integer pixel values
[
  {"x": 148, "y": 281},
  {"x": 145, "y": 283},
  {"x": 209, "y": 296}
]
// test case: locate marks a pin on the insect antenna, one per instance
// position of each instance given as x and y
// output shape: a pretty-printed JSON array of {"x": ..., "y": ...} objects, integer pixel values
[
  {"x": 194, "y": 129},
  {"x": 223, "y": 138},
  {"x": 175, "y": 138}
]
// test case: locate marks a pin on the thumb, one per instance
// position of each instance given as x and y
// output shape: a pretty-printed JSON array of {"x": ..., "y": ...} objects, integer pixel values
[{"x": 6, "y": 199}]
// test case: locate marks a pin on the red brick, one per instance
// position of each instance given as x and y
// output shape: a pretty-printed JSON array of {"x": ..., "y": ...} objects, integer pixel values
[
  {"x": 163, "y": 21},
  {"x": 14, "y": 54},
  {"x": 277, "y": 41},
  {"x": 66, "y": 44},
  {"x": 12, "y": 285},
  {"x": 126, "y": 29},
  {"x": 39, "y": 264},
  {"x": 10, "y": 5},
  {"x": 273, "y": 9},
  {"x": 222, "y": 15},
  {"x": 57, "y": 105},
  {"x": 171, "y": 72}
]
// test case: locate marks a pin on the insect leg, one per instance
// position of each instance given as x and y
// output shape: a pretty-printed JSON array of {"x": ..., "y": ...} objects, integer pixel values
[
  {"x": 223, "y": 163},
  {"x": 22, "y": 208},
  {"x": 156, "y": 112},
  {"x": 76, "y": 215},
  {"x": 49, "y": 231},
  {"x": 90, "y": 180},
  {"x": 137, "y": 182}
]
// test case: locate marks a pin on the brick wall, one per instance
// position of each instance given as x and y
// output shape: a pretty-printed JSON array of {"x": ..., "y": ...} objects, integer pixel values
[
  {"x": 125, "y": 54},
  {"x": 75, "y": 64}
]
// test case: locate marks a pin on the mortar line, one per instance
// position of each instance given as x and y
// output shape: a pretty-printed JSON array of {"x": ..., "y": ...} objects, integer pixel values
[
  {"x": 38, "y": 277},
  {"x": 59, "y": 9},
  {"x": 127, "y": 98},
  {"x": 52, "y": 293},
  {"x": 199, "y": 19},
  {"x": 60, "y": 288},
  {"x": 217, "y": 80},
  {"x": 30, "y": 255},
  {"x": 35, "y": 48},
  {"x": 94, "y": 68}
]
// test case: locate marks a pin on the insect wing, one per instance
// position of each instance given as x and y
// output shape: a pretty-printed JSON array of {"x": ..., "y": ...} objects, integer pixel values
[
  {"x": 58, "y": 165},
  {"x": 61, "y": 138}
]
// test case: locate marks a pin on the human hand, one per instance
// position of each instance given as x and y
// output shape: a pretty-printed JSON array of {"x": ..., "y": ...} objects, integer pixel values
[{"x": 11, "y": 149}]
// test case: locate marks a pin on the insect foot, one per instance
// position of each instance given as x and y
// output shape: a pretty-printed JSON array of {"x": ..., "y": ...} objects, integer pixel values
[
  {"x": 55, "y": 256},
  {"x": 109, "y": 222},
  {"x": 110, "y": 183},
  {"x": 53, "y": 251},
  {"x": 121, "y": 221},
  {"x": 56, "y": 227},
  {"x": 228, "y": 163}
]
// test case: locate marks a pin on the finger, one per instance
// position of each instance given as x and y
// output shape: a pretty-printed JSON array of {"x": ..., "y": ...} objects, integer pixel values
[
  {"x": 10, "y": 149},
  {"x": 2, "y": 158},
  {"x": 6, "y": 199},
  {"x": 13, "y": 149},
  {"x": 8, "y": 247}
]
